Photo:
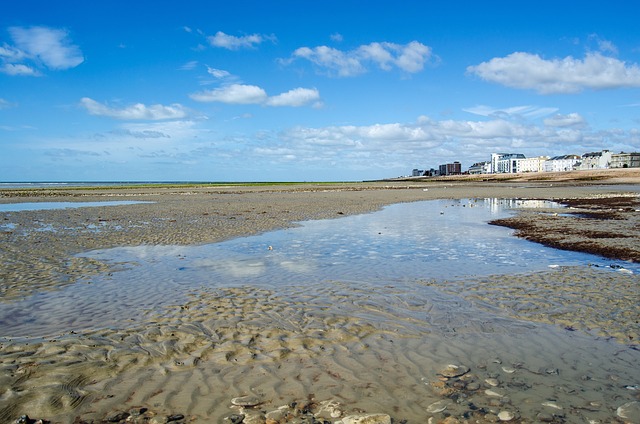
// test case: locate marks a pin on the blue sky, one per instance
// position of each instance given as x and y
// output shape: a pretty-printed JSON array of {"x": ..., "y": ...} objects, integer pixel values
[{"x": 308, "y": 91}]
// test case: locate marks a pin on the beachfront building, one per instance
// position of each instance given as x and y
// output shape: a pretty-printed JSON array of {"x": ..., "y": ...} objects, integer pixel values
[
  {"x": 625, "y": 160},
  {"x": 596, "y": 160},
  {"x": 451, "y": 168},
  {"x": 480, "y": 168},
  {"x": 506, "y": 163},
  {"x": 532, "y": 164},
  {"x": 562, "y": 163}
]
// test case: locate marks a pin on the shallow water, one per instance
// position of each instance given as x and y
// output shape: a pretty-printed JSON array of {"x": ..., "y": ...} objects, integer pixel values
[
  {"x": 433, "y": 240},
  {"x": 345, "y": 309},
  {"x": 42, "y": 206}
]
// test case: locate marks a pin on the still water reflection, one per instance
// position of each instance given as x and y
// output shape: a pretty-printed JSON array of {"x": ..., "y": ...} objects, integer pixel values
[{"x": 443, "y": 239}]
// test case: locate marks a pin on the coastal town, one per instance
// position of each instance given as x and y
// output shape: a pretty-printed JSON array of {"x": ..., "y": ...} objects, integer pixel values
[{"x": 513, "y": 163}]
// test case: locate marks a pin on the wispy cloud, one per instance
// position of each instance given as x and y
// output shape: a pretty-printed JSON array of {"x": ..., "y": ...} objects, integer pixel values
[
  {"x": 231, "y": 42},
  {"x": 219, "y": 73},
  {"x": 566, "y": 76},
  {"x": 252, "y": 94},
  {"x": 137, "y": 111},
  {"x": 527, "y": 112},
  {"x": 189, "y": 65},
  {"x": 409, "y": 58},
  {"x": 5, "y": 104},
  {"x": 38, "y": 47}
]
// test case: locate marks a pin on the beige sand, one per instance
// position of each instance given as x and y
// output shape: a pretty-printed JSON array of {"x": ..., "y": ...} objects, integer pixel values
[{"x": 359, "y": 350}]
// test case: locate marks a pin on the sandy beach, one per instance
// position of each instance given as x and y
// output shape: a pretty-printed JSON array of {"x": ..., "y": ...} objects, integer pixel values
[{"x": 330, "y": 352}]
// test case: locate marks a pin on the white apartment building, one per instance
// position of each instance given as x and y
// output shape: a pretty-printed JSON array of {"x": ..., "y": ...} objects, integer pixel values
[
  {"x": 561, "y": 163},
  {"x": 596, "y": 160},
  {"x": 506, "y": 163},
  {"x": 532, "y": 164}
]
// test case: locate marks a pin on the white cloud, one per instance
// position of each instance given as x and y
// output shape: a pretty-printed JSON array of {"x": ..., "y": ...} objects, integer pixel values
[
  {"x": 296, "y": 97},
  {"x": 52, "y": 47},
  {"x": 252, "y": 94},
  {"x": 233, "y": 94},
  {"x": 337, "y": 37},
  {"x": 568, "y": 75},
  {"x": 570, "y": 120},
  {"x": 137, "y": 111},
  {"x": 19, "y": 69},
  {"x": 189, "y": 65},
  {"x": 4, "y": 104},
  {"x": 231, "y": 42},
  {"x": 410, "y": 57},
  {"x": 529, "y": 112},
  {"x": 218, "y": 73},
  {"x": 331, "y": 59}
]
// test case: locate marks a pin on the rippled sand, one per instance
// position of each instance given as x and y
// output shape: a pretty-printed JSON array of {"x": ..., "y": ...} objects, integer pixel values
[{"x": 376, "y": 351}]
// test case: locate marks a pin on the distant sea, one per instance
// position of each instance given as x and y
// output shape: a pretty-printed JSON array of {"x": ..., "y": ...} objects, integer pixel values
[{"x": 65, "y": 184}]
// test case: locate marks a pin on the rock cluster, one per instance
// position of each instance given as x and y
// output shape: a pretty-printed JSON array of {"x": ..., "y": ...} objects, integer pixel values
[{"x": 311, "y": 412}]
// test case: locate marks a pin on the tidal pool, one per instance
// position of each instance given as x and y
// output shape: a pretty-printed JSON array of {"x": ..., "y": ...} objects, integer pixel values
[
  {"x": 403, "y": 243},
  {"x": 42, "y": 206}
]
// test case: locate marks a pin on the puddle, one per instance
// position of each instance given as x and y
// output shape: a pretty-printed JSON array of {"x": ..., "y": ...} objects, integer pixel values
[
  {"x": 41, "y": 206},
  {"x": 404, "y": 243}
]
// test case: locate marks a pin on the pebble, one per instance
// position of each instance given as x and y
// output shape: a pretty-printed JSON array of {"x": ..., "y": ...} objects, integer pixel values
[
  {"x": 630, "y": 411},
  {"x": 493, "y": 382},
  {"x": 505, "y": 416},
  {"x": 366, "y": 419},
  {"x": 246, "y": 401},
  {"x": 454, "y": 371},
  {"x": 438, "y": 406},
  {"x": 493, "y": 393},
  {"x": 508, "y": 370},
  {"x": 551, "y": 405}
]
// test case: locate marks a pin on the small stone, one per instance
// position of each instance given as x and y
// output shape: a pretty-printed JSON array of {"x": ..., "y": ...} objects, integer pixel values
[
  {"x": 544, "y": 417},
  {"x": 246, "y": 401},
  {"x": 175, "y": 417},
  {"x": 493, "y": 382},
  {"x": 508, "y": 370},
  {"x": 630, "y": 411},
  {"x": 328, "y": 409},
  {"x": 493, "y": 393},
  {"x": 438, "y": 406},
  {"x": 505, "y": 416},
  {"x": 552, "y": 405},
  {"x": 236, "y": 418},
  {"x": 452, "y": 371},
  {"x": 366, "y": 419},
  {"x": 473, "y": 386}
]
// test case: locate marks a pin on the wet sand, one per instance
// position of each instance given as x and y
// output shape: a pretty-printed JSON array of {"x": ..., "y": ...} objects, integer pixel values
[{"x": 329, "y": 351}]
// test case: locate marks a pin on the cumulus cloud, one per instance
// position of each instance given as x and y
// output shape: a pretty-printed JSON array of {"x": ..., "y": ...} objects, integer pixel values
[
  {"x": 568, "y": 75},
  {"x": 39, "y": 46},
  {"x": 233, "y": 94},
  {"x": 410, "y": 57},
  {"x": 570, "y": 120},
  {"x": 296, "y": 97},
  {"x": 231, "y": 42},
  {"x": 251, "y": 94},
  {"x": 137, "y": 111}
]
